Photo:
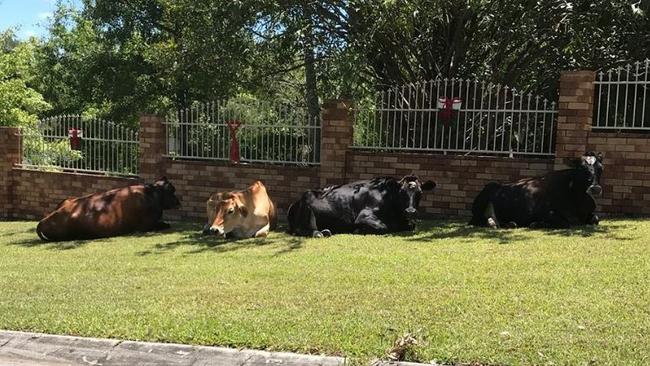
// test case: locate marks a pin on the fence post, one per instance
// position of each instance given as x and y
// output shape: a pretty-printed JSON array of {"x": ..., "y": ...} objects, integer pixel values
[
  {"x": 575, "y": 115},
  {"x": 336, "y": 137},
  {"x": 10, "y": 154},
  {"x": 152, "y": 147}
]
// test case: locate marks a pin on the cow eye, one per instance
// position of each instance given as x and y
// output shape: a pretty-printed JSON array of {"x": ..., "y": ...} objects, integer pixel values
[{"x": 231, "y": 210}]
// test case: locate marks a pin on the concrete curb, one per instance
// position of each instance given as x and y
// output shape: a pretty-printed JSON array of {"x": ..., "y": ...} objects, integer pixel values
[{"x": 22, "y": 349}]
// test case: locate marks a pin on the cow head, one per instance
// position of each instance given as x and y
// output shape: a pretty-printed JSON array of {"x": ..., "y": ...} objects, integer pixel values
[
  {"x": 168, "y": 194},
  {"x": 589, "y": 170},
  {"x": 225, "y": 211},
  {"x": 410, "y": 192}
]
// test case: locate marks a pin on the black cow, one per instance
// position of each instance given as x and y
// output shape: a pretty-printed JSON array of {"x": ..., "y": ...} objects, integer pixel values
[
  {"x": 559, "y": 199},
  {"x": 376, "y": 206}
]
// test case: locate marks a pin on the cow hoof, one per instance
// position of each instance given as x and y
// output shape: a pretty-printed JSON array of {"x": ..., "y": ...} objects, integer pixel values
[
  {"x": 594, "y": 220},
  {"x": 492, "y": 223},
  {"x": 317, "y": 234},
  {"x": 326, "y": 233},
  {"x": 511, "y": 225}
]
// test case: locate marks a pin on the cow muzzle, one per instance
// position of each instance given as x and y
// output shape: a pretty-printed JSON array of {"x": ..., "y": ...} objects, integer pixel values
[
  {"x": 216, "y": 231},
  {"x": 595, "y": 190},
  {"x": 410, "y": 212}
]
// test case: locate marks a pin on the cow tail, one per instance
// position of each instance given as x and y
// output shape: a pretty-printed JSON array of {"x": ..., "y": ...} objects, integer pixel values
[
  {"x": 481, "y": 203},
  {"x": 40, "y": 233}
]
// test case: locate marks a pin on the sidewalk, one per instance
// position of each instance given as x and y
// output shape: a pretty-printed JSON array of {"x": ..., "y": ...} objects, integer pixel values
[{"x": 22, "y": 349}]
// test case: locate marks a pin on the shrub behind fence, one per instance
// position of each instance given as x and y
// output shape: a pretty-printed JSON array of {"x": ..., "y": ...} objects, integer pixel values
[
  {"x": 267, "y": 133},
  {"x": 456, "y": 115},
  {"x": 78, "y": 144}
]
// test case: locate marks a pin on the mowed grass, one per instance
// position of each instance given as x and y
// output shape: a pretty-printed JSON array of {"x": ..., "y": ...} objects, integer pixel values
[{"x": 515, "y": 297}]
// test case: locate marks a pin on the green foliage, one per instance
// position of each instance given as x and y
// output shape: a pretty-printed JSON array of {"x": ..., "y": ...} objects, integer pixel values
[
  {"x": 116, "y": 59},
  {"x": 19, "y": 103},
  {"x": 38, "y": 151},
  {"x": 519, "y": 43}
]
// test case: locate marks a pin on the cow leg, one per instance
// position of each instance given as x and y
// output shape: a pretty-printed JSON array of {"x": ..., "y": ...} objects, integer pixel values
[
  {"x": 491, "y": 216},
  {"x": 263, "y": 232},
  {"x": 593, "y": 220},
  {"x": 368, "y": 223},
  {"x": 554, "y": 220}
]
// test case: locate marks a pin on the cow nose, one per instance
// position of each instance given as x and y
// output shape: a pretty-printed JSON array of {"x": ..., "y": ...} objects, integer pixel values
[
  {"x": 216, "y": 230},
  {"x": 411, "y": 211},
  {"x": 596, "y": 190}
]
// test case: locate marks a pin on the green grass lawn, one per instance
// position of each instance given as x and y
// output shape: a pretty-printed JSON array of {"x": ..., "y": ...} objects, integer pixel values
[{"x": 562, "y": 297}]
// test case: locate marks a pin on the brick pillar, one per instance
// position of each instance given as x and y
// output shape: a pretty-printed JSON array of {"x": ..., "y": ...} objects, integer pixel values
[
  {"x": 152, "y": 147},
  {"x": 575, "y": 115},
  {"x": 10, "y": 154},
  {"x": 336, "y": 137}
]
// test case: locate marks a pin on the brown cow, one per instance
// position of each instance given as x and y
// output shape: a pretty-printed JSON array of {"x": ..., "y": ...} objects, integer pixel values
[
  {"x": 137, "y": 208},
  {"x": 241, "y": 214}
]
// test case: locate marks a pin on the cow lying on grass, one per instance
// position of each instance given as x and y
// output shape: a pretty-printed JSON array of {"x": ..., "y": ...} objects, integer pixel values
[
  {"x": 137, "y": 208},
  {"x": 559, "y": 199},
  {"x": 376, "y": 206},
  {"x": 241, "y": 214}
]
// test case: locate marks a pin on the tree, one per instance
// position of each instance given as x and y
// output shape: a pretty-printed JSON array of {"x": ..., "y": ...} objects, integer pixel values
[
  {"x": 520, "y": 43},
  {"x": 19, "y": 103}
]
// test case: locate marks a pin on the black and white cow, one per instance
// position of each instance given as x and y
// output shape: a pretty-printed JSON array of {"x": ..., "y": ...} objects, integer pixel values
[
  {"x": 558, "y": 199},
  {"x": 376, "y": 206}
]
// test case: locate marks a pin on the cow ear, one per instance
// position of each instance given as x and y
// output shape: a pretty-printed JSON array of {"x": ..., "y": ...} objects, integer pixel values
[
  {"x": 428, "y": 185},
  {"x": 599, "y": 157}
]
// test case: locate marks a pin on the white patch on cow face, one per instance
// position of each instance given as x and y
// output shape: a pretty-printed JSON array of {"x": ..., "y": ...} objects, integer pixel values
[
  {"x": 412, "y": 185},
  {"x": 591, "y": 160}
]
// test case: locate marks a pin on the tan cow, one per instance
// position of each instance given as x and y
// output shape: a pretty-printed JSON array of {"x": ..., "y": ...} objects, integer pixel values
[{"x": 241, "y": 214}]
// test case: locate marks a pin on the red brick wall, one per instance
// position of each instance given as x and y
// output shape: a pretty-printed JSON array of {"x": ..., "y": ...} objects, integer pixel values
[
  {"x": 626, "y": 178},
  {"x": 9, "y": 155},
  {"x": 36, "y": 192},
  {"x": 196, "y": 181},
  {"x": 31, "y": 194},
  {"x": 459, "y": 178}
]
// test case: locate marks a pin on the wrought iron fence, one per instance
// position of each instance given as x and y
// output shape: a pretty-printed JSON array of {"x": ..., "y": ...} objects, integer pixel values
[
  {"x": 78, "y": 144},
  {"x": 246, "y": 131},
  {"x": 622, "y": 98},
  {"x": 457, "y": 116}
]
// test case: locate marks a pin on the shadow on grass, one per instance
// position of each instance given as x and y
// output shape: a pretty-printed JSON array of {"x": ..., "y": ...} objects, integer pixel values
[
  {"x": 439, "y": 229},
  {"x": 74, "y": 244},
  {"x": 201, "y": 243}
]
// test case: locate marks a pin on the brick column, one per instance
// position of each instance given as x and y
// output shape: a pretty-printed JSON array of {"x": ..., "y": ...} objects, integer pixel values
[
  {"x": 10, "y": 154},
  {"x": 336, "y": 137},
  {"x": 575, "y": 115},
  {"x": 152, "y": 147}
]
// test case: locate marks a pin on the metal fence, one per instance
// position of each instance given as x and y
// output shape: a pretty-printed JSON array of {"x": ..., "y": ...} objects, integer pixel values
[
  {"x": 266, "y": 133},
  {"x": 621, "y": 98},
  {"x": 457, "y": 116},
  {"x": 78, "y": 144}
]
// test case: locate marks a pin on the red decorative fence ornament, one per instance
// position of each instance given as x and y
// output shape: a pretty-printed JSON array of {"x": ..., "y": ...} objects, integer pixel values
[
  {"x": 447, "y": 106},
  {"x": 75, "y": 135},
  {"x": 233, "y": 125}
]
